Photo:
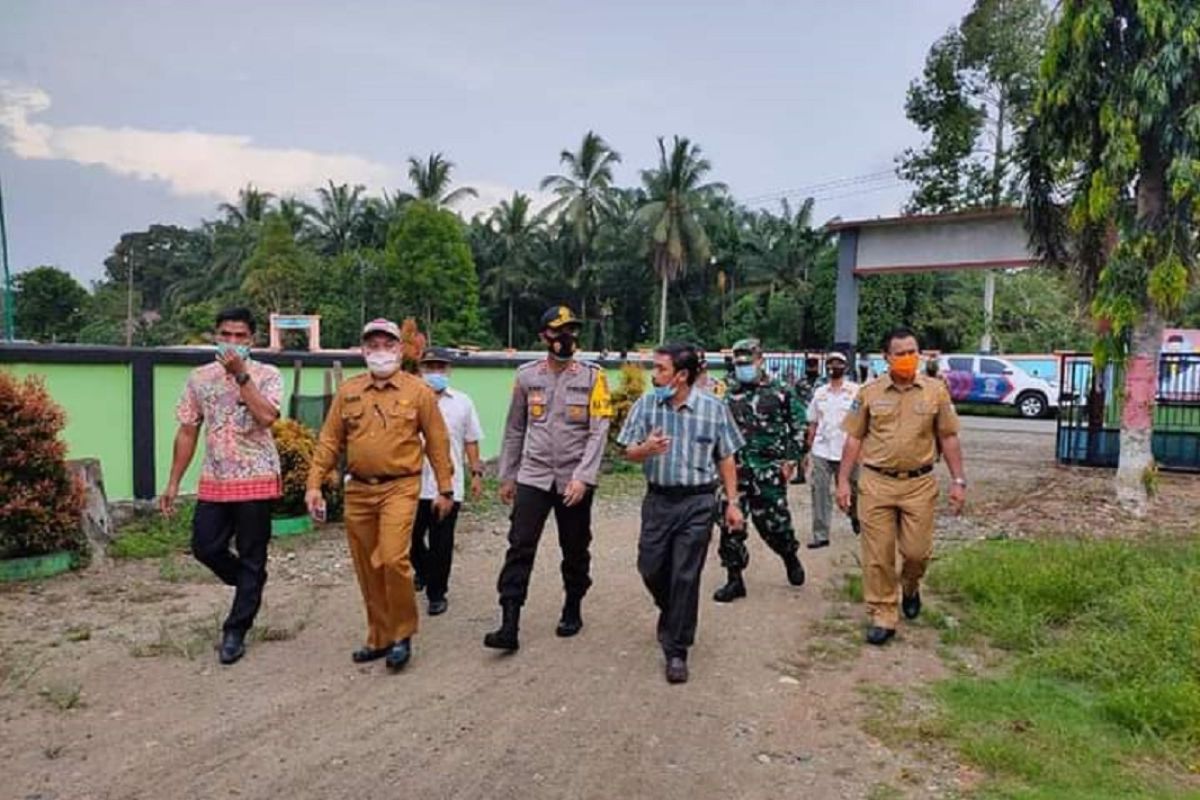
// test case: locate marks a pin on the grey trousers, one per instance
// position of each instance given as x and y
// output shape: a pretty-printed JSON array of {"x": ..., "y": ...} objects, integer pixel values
[
  {"x": 671, "y": 552},
  {"x": 824, "y": 481}
]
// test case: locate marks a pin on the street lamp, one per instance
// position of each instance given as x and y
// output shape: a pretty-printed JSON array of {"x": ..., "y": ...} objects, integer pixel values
[{"x": 9, "y": 334}]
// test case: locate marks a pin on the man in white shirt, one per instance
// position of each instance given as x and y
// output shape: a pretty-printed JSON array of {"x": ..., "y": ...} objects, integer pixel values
[
  {"x": 433, "y": 538},
  {"x": 826, "y": 411}
]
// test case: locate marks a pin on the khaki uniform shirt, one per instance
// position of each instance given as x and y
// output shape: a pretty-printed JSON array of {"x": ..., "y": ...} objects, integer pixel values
[
  {"x": 381, "y": 429},
  {"x": 898, "y": 426},
  {"x": 557, "y": 425}
]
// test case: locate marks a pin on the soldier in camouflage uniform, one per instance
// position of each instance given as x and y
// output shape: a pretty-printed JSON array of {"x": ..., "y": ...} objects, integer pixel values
[
  {"x": 772, "y": 421},
  {"x": 806, "y": 386}
]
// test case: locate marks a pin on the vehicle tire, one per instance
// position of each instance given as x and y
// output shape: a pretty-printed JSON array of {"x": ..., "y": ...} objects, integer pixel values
[{"x": 1032, "y": 405}]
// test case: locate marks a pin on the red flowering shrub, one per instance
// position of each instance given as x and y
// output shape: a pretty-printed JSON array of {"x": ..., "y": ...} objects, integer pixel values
[{"x": 40, "y": 502}]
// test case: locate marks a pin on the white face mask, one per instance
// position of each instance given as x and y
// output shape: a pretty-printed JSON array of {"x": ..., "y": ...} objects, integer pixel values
[{"x": 382, "y": 363}]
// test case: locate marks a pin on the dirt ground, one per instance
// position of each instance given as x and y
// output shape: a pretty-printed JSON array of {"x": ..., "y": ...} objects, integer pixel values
[{"x": 111, "y": 688}]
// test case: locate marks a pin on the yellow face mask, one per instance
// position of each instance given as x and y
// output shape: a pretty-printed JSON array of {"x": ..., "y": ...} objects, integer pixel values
[{"x": 904, "y": 367}]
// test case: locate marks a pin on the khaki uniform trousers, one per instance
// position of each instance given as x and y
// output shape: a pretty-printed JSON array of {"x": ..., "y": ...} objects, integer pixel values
[
  {"x": 379, "y": 523},
  {"x": 894, "y": 511}
]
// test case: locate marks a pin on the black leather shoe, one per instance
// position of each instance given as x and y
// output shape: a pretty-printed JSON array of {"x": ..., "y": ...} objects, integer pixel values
[
  {"x": 571, "y": 621},
  {"x": 233, "y": 647},
  {"x": 879, "y": 636},
  {"x": 438, "y": 606},
  {"x": 795, "y": 570},
  {"x": 505, "y": 637},
  {"x": 911, "y": 605},
  {"x": 365, "y": 654},
  {"x": 677, "y": 671},
  {"x": 399, "y": 655},
  {"x": 733, "y": 588},
  {"x": 817, "y": 545}
]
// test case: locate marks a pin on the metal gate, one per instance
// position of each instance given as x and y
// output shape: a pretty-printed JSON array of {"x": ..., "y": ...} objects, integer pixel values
[{"x": 1089, "y": 412}]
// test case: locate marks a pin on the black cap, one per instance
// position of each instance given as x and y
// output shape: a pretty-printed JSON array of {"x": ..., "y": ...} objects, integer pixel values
[
  {"x": 557, "y": 317},
  {"x": 436, "y": 355}
]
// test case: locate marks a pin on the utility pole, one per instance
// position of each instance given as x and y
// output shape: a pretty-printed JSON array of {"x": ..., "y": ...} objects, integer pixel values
[
  {"x": 9, "y": 333},
  {"x": 989, "y": 278},
  {"x": 129, "y": 299}
]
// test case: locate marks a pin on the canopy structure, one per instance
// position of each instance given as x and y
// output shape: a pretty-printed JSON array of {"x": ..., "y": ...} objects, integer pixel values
[{"x": 981, "y": 239}]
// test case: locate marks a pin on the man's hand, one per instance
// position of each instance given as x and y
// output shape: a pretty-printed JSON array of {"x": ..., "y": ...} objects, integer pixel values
[
  {"x": 656, "y": 444},
  {"x": 508, "y": 492},
  {"x": 843, "y": 496},
  {"x": 315, "y": 503},
  {"x": 442, "y": 506},
  {"x": 232, "y": 362},
  {"x": 575, "y": 492},
  {"x": 476, "y": 487},
  {"x": 958, "y": 497},
  {"x": 789, "y": 471},
  {"x": 733, "y": 517},
  {"x": 166, "y": 501}
]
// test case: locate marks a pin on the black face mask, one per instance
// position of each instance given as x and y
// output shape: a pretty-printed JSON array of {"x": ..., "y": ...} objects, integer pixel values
[
  {"x": 812, "y": 375},
  {"x": 836, "y": 372},
  {"x": 562, "y": 346}
]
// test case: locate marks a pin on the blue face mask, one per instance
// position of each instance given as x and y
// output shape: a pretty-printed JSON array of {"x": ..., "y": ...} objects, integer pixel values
[
  {"x": 438, "y": 381},
  {"x": 242, "y": 350},
  {"x": 745, "y": 373},
  {"x": 662, "y": 393}
]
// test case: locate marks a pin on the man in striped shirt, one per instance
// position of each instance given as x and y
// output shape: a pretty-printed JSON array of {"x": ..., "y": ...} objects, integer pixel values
[{"x": 685, "y": 440}]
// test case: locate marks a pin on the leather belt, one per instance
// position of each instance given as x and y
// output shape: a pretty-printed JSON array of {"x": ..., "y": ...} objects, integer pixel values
[
  {"x": 376, "y": 480},
  {"x": 681, "y": 491},
  {"x": 903, "y": 474}
]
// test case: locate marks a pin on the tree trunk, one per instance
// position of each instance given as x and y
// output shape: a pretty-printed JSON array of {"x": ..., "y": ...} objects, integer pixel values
[
  {"x": 510, "y": 318},
  {"x": 1141, "y": 369},
  {"x": 662, "y": 311}
]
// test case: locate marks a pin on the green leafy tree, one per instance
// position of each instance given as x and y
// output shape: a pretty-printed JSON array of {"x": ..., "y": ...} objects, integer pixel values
[
  {"x": 251, "y": 207},
  {"x": 1115, "y": 135},
  {"x": 516, "y": 229},
  {"x": 50, "y": 305},
  {"x": 337, "y": 216},
  {"x": 276, "y": 272},
  {"x": 676, "y": 193},
  {"x": 159, "y": 257},
  {"x": 432, "y": 276}
]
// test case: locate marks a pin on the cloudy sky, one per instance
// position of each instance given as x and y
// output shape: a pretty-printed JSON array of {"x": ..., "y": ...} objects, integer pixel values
[{"x": 118, "y": 114}]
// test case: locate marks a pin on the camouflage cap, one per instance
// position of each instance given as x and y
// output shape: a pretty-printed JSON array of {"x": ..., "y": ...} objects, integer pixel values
[{"x": 746, "y": 350}]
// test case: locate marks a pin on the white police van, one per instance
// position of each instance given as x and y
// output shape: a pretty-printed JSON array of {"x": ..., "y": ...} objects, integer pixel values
[{"x": 991, "y": 379}]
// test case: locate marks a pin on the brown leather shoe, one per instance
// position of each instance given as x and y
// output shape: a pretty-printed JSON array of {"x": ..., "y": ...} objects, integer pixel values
[{"x": 677, "y": 671}]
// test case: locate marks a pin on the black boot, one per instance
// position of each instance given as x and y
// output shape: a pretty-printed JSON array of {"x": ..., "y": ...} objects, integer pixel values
[
  {"x": 795, "y": 570},
  {"x": 505, "y": 638},
  {"x": 571, "y": 621},
  {"x": 733, "y": 588},
  {"x": 233, "y": 647}
]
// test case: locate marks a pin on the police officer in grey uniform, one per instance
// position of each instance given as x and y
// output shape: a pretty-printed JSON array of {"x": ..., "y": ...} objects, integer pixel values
[{"x": 554, "y": 440}]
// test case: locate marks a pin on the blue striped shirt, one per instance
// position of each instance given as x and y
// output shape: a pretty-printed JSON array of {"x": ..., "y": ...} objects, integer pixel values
[{"x": 702, "y": 433}]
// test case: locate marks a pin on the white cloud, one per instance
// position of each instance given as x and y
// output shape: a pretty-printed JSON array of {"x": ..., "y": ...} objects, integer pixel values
[{"x": 189, "y": 162}]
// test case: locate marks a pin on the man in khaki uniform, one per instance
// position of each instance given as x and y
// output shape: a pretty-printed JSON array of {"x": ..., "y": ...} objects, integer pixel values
[
  {"x": 379, "y": 419},
  {"x": 895, "y": 426},
  {"x": 554, "y": 440}
]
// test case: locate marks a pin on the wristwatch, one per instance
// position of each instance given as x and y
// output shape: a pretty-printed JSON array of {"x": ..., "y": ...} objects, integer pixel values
[
  {"x": 960, "y": 482},
  {"x": 449, "y": 494},
  {"x": 242, "y": 378},
  {"x": 477, "y": 472}
]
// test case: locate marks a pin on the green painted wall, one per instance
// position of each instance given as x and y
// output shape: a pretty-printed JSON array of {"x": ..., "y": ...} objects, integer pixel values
[
  {"x": 97, "y": 399},
  {"x": 98, "y": 402}
]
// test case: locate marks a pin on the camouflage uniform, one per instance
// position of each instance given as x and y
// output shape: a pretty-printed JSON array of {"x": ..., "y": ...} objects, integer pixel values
[{"x": 772, "y": 420}]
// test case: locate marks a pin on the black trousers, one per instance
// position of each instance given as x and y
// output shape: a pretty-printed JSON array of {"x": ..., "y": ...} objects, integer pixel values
[
  {"x": 248, "y": 525},
  {"x": 433, "y": 548},
  {"x": 672, "y": 548},
  {"x": 530, "y": 509}
]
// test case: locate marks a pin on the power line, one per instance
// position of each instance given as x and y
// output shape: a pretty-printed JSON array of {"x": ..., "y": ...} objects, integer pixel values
[{"x": 823, "y": 187}]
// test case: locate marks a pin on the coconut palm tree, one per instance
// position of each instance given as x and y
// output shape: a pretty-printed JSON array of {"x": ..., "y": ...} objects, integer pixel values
[
  {"x": 516, "y": 230},
  {"x": 676, "y": 196},
  {"x": 338, "y": 216},
  {"x": 251, "y": 206},
  {"x": 431, "y": 181},
  {"x": 584, "y": 196}
]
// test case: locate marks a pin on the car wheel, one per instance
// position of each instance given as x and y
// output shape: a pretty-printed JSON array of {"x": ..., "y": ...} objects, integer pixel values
[{"x": 1032, "y": 405}]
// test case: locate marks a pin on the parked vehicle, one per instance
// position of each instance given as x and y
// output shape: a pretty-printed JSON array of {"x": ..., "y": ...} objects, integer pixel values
[{"x": 994, "y": 380}]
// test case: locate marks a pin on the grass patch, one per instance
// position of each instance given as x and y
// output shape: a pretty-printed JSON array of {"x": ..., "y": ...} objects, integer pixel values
[
  {"x": 63, "y": 696},
  {"x": 182, "y": 569},
  {"x": 1101, "y": 695},
  {"x": 155, "y": 536},
  {"x": 187, "y": 641}
]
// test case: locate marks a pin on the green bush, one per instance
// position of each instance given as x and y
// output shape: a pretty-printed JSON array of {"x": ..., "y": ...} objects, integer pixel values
[{"x": 40, "y": 501}]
